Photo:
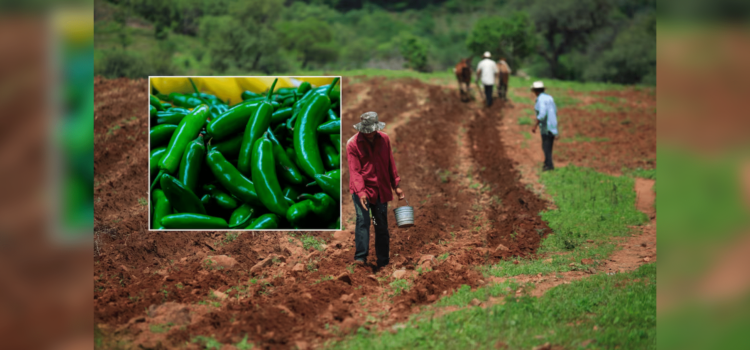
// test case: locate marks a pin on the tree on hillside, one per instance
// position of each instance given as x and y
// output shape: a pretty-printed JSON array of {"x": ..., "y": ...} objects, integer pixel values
[
  {"x": 414, "y": 51},
  {"x": 565, "y": 25},
  {"x": 311, "y": 38},
  {"x": 245, "y": 39},
  {"x": 510, "y": 37},
  {"x": 632, "y": 57}
]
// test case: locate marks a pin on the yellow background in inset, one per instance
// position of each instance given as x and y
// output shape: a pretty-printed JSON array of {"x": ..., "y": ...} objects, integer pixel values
[{"x": 230, "y": 88}]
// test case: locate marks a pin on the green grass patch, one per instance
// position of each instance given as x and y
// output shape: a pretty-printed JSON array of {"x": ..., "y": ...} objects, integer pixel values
[
  {"x": 591, "y": 209},
  {"x": 558, "y": 87},
  {"x": 640, "y": 172},
  {"x": 601, "y": 107},
  {"x": 580, "y": 138},
  {"x": 519, "y": 99},
  {"x": 565, "y": 101},
  {"x": 524, "y": 121},
  {"x": 398, "y": 286},
  {"x": 526, "y": 135},
  {"x": 160, "y": 328},
  {"x": 310, "y": 242},
  {"x": 621, "y": 306},
  {"x": 464, "y": 295}
]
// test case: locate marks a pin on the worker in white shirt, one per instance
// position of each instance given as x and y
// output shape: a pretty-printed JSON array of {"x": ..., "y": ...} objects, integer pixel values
[{"x": 487, "y": 73}]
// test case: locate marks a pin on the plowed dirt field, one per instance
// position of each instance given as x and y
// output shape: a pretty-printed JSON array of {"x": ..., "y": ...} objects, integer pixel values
[{"x": 162, "y": 290}]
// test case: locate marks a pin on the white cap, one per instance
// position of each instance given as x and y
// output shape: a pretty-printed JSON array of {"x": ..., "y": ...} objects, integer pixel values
[
  {"x": 487, "y": 54},
  {"x": 537, "y": 85}
]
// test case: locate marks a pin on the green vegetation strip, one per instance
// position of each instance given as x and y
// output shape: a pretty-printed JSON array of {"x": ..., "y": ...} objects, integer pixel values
[
  {"x": 591, "y": 209},
  {"x": 604, "y": 311}
]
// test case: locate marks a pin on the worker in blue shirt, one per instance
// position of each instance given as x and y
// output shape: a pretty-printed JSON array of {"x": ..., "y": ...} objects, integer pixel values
[{"x": 546, "y": 120}]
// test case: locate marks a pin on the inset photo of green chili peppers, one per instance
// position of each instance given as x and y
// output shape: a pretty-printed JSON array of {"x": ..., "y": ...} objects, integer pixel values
[{"x": 244, "y": 153}]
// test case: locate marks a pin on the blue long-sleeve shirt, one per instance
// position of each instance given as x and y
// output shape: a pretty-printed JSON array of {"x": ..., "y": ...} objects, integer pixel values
[{"x": 546, "y": 113}]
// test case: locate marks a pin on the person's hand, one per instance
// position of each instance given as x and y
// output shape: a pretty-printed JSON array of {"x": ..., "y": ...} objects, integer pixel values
[
  {"x": 363, "y": 201},
  {"x": 400, "y": 193},
  {"x": 533, "y": 129}
]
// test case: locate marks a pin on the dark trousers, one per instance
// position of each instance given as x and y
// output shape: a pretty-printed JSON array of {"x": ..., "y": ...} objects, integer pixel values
[
  {"x": 488, "y": 94},
  {"x": 548, "y": 139},
  {"x": 362, "y": 231}
]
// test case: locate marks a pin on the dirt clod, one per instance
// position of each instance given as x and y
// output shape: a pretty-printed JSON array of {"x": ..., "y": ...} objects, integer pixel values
[
  {"x": 344, "y": 277},
  {"x": 220, "y": 261}
]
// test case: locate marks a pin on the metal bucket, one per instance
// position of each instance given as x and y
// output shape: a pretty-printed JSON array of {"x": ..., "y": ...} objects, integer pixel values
[{"x": 404, "y": 216}]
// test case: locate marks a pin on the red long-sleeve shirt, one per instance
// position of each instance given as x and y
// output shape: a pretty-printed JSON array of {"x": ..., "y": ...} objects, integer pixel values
[{"x": 372, "y": 169}]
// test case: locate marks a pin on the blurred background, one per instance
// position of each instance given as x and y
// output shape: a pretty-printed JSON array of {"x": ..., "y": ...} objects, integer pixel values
[
  {"x": 46, "y": 162},
  {"x": 585, "y": 40}
]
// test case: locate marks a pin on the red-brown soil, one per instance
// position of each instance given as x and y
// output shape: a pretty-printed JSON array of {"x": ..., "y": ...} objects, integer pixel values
[{"x": 155, "y": 290}]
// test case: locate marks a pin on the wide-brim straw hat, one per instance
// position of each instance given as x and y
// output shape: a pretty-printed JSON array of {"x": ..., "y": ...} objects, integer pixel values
[
  {"x": 369, "y": 123},
  {"x": 537, "y": 85}
]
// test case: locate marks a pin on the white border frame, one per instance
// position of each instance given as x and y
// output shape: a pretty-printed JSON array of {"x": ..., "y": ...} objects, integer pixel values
[{"x": 148, "y": 177}]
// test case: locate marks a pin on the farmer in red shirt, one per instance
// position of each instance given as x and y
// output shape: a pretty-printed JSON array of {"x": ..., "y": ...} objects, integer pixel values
[{"x": 372, "y": 178}]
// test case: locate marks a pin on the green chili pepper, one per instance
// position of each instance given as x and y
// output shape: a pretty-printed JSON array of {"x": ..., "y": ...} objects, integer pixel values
[
  {"x": 169, "y": 117},
  {"x": 162, "y": 97},
  {"x": 166, "y": 106},
  {"x": 332, "y": 115},
  {"x": 197, "y": 221},
  {"x": 229, "y": 147},
  {"x": 290, "y": 122},
  {"x": 335, "y": 95},
  {"x": 307, "y": 95},
  {"x": 336, "y": 140},
  {"x": 285, "y": 166},
  {"x": 162, "y": 207},
  {"x": 292, "y": 155},
  {"x": 331, "y": 159},
  {"x": 286, "y": 91},
  {"x": 336, "y": 105},
  {"x": 231, "y": 121},
  {"x": 304, "y": 87},
  {"x": 281, "y": 115},
  {"x": 207, "y": 97},
  {"x": 288, "y": 102},
  {"x": 184, "y": 100},
  {"x": 319, "y": 207},
  {"x": 206, "y": 200},
  {"x": 182, "y": 199},
  {"x": 178, "y": 110},
  {"x": 185, "y": 132},
  {"x": 248, "y": 95},
  {"x": 241, "y": 213},
  {"x": 154, "y": 158},
  {"x": 264, "y": 177},
  {"x": 305, "y": 134},
  {"x": 330, "y": 183},
  {"x": 222, "y": 199},
  {"x": 330, "y": 127},
  {"x": 231, "y": 179},
  {"x": 290, "y": 192},
  {"x": 192, "y": 161},
  {"x": 336, "y": 225},
  {"x": 256, "y": 126},
  {"x": 161, "y": 134},
  {"x": 265, "y": 222},
  {"x": 155, "y": 103},
  {"x": 152, "y": 110}
]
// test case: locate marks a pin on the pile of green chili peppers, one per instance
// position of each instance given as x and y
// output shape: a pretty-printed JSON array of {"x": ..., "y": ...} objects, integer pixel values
[{"x": 270, "y": 161}]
